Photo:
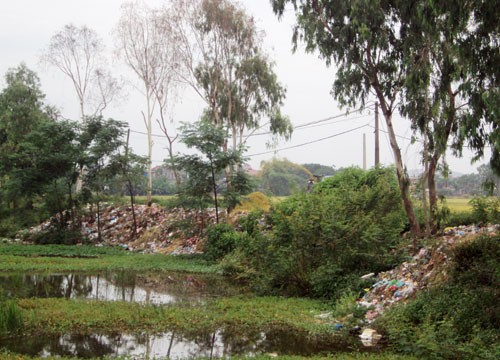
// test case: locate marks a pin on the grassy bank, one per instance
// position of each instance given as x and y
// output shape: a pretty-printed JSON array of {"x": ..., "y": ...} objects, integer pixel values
[{"x": 50, "y": 258}]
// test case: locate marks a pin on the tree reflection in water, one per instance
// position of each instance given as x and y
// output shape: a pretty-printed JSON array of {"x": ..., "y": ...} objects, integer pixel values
[
  {"x": 220, "y": 343},
  {"x": 119, "y": 286}
]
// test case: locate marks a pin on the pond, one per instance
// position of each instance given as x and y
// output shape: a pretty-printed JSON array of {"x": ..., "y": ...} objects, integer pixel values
[
  {"x": 121, "y": 286},
  {"x": 158, "y": 289},
  {"x": 220, "y": 344}
]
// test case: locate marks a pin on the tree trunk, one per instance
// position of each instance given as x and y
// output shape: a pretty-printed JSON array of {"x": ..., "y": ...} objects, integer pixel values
[
  {"x": 425, "y": 179},
  {"x": 99, "y": 237},
  {"x": 132, "y": 204},
  {"x": 403, "y": 179},
  {"x": 431, "y": 184},
  {"x": 215, "y": 193},
  {"x": 150, "y": 147}
]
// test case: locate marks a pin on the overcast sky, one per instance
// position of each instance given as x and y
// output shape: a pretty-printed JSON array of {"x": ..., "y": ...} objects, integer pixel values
[{"x": 26, "y": 27}]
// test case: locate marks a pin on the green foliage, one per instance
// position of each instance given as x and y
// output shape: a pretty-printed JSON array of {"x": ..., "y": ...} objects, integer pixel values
[
  {"x": 59, "y": 250},
  {"x": 59, "y": 236},
  {"x": 282, "y": 177},
  {"x": 320, "y": 170},
  {"x": 320, "y": 243},
  {"x": 486, "y": 209},
  {"x": 458, "y": 319},
  {"x": 461, "y": 218},
  {"x": 206, "y": 169},
  {"x": 418, "y": 57},
  {"x": 163, "y": 186},
  {"x": 11, "y": 318},
  {"x": 61, "y": 258},
  {"x": 235, "y": 76},
  {"x": 13, "y": 220},
  {"x": 41, "y": 156},
  {"x": 221, "y": 240}
]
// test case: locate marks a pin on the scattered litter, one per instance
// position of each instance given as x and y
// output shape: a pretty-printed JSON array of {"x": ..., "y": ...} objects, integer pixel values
[
  {"x": 159, "y": 230},
  {"x": 324, "y": 315},
  {"x": 370, "y": 337},
  {"x": 367, "y": 276},
  {"x": 402, "y": 282}
]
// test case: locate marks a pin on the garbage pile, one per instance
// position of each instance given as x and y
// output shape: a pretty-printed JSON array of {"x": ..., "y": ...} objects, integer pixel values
[
  {"x": 425, "y": 268},
  {"x": 158, "y": 230}
]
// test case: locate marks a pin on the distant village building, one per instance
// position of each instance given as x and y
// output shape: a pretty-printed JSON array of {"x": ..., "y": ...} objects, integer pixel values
[{"x": 163, "y": 171}]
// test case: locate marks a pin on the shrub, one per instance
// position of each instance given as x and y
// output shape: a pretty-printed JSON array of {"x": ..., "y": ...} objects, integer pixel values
[
  {"x": 251, "y": 223},
  {"x": 320, "y": 243},
  {"x": 461, "y": 218},
  {"x": 221, "y": 240},
  {"x": 486, "y": 209},
  {"x": 59, "y": 236}
]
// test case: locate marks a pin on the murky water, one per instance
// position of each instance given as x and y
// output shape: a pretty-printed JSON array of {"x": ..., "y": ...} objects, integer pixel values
[
  {"x": 120, "y": 286},
  {"x": 154, "y": 289},
  {"x": 173, "y": 345}
]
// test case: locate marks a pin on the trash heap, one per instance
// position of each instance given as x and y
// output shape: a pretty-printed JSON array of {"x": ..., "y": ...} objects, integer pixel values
[
  {"x": 159, "y": 230},
  {"x": 424, "y": 269}
]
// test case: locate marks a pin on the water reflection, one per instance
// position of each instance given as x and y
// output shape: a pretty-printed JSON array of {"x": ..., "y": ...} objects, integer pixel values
[
  {"x": 121, "y": 286},
  {"x": 221, "y": 343}
]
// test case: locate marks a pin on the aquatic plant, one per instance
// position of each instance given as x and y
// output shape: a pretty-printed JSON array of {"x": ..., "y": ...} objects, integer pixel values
[{"x": 11, "y": 318}]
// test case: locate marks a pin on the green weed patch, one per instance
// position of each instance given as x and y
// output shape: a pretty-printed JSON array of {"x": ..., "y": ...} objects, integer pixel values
[
  {"x": 60, "y": 316},
  {"x": 46, "y": 258}
]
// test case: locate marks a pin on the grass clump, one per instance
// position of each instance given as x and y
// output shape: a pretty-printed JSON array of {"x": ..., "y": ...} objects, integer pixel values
[{"x": 11, "y": 318}]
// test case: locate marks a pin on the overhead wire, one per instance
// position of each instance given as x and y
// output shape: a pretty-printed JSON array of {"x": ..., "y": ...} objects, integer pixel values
[
  {"x": 305, "y": 125},
  {"x": 309, "y": 142}
]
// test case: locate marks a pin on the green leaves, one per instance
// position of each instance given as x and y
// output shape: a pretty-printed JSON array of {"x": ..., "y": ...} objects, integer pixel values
[{"x": 205, "y": 170}]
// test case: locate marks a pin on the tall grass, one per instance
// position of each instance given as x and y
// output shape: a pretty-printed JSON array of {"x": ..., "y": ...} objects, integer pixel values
[{"x": 11, "y": 318}]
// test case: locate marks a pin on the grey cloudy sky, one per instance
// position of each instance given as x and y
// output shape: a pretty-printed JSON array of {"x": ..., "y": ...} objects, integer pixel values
[{"x": 26, "y": 27}]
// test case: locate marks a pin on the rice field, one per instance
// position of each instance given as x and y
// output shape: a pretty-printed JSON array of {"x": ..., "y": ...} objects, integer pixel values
[{"x": 457, "y": 204}]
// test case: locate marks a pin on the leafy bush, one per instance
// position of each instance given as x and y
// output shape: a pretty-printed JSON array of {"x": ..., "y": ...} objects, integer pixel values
[
  {"x": 221, "y": 240},
  {"x": 486, "y": 209},
  {"x": 59, "y": 236},
  {"x": 461, "y": 218},
  {"x": 13, "y": 220},
  {"x": 320, "y": 243},
  {"x": 459, "y": 319}
]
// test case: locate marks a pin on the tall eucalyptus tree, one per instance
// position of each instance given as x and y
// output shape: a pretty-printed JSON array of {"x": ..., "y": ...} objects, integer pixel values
[{"x": 149, "y": 50}]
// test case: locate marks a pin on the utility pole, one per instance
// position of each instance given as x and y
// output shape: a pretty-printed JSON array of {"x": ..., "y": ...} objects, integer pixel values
[
  {"x": 364, "y": 151},
  {"x": 377, "y": 146}
]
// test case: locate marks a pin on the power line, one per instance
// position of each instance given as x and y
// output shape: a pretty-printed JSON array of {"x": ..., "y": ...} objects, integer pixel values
[
  {"x": 305, "y": 125},
  {"x": 310, "y": 142},
  {"x": 308, "y": 124},
  {"x": 399, "y": 136}
]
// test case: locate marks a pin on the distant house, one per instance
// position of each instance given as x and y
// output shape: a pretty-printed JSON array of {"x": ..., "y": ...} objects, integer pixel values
[
  {"x": 163, "y": 171},
  {"x": 250, "y": 171}
]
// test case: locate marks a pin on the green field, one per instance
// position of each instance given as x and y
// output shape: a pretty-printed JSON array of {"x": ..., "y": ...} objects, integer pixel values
[{"x": 457, "y": 204}]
